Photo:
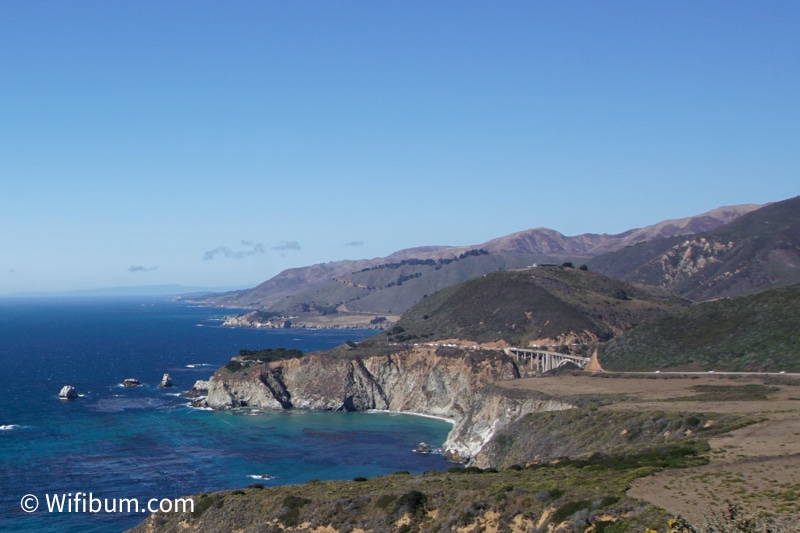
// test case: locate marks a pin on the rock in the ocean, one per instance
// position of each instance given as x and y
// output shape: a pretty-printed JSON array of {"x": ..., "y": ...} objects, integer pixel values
[
  {"x": 68, "y": 392},
  {"x": 131, "y": 382},
  {"x": 166, "y": 382},
  {"x": 200, "y": 389},
  {"x": 423, "y": 448}
]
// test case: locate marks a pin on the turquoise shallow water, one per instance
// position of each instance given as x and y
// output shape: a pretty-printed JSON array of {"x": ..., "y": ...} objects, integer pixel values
[{"x": 143, "y": 443}]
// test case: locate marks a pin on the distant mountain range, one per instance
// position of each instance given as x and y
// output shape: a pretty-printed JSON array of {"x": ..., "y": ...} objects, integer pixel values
[{"x": 392, "y": 284}]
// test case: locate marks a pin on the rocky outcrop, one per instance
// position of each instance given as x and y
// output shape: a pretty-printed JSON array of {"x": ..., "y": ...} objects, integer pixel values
[
  {"x": 448, "y": 383},
  {"x": 254, "y": 319},
  {"x": 68, "y": 392},
  {"x": 346, "y": 320},
  {"x": 686, "y": 259},
  {"x": 166, "y": 381},
  {"x": 198, "y": 390},
  {"x": 131, "y": 382}
]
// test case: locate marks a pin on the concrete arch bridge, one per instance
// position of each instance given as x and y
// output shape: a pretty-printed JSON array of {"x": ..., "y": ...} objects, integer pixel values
[{"x": 543, "y": 361}]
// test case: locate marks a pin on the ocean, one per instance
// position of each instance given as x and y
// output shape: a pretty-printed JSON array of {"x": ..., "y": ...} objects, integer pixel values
[{"x": 148, "y": 443}]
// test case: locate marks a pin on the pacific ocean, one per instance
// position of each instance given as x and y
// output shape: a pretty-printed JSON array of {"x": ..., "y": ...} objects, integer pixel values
[{"x": 146, "y": 442}]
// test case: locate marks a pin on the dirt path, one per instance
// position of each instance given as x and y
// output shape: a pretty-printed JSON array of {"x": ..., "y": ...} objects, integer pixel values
[{"x": 757, "y": 466}]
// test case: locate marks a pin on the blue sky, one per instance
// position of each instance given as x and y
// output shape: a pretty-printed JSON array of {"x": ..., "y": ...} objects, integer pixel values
[{"x": 218, "y": 143}]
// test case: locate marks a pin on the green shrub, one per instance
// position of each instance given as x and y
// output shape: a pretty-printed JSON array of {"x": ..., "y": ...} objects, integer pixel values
[
  {"x": 608, "y": 500},
  {"x": 234, "y": 366},
  {"x": 466, "y": 518},
  {"x": 608, "y": 526},
  {"x": 268, "y": 354},
  {"x": 411, "y": 502},
  {"x": 385, "y": 500},
  {"x": 205, "y": 503},
  {"x": 569, "y": 509},
  {"x": 291, "y": 510}
]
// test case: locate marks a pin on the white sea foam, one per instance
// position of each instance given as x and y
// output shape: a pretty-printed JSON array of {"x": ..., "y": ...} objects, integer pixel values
[
  {"x": 198, "y": 365},
  {"x": 265, "y": 477},
  {"x": 7, "y": 427},
  {"x": 411, "y": 413},
  {"x": 433, "y": 451},
  {"x": 199, "y": 408}
]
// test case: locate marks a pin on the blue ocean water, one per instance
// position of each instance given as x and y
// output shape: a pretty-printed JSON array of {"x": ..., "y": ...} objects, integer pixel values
[{"x": 145, "y": 442}]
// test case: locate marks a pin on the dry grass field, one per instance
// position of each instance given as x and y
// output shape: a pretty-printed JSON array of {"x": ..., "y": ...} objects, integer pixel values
[{"x": 757, "y": 466}]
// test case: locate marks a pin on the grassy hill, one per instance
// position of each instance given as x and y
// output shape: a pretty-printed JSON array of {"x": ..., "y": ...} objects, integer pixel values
[
  {"x": 523, "y": 306},
  {"x": 751, "y": 333},
  {"x": 758, "y": 251},
  {"x": 391, "y": 288}
]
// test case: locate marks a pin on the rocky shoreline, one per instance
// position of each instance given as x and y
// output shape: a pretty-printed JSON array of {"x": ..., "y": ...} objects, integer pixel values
[
  {"x": 421, "y": 380},
  {"x": 254, "y": 319}
]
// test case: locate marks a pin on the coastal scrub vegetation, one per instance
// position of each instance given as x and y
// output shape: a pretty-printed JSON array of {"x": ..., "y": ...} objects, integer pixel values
[
  {"x": 574, "y": 494},
  {"x": 591, "y": 432},
  {"x": 535, "y": 303},
  {"x": 711, "y": 336},
  {"x": 733, "y": 518},
  {"x": 247, "y": 358}
]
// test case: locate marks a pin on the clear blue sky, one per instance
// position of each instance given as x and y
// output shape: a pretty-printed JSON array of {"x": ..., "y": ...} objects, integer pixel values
[{"x": 218, "y": 143}]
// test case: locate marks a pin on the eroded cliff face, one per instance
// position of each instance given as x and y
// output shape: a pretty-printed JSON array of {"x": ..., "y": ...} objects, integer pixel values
[
  {"x": 489, "y": 412},
  {"x": 422, "y": 380}
]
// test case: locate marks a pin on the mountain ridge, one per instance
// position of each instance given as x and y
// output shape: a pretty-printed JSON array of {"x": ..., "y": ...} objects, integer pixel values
[
  {"x": 547, "y": 245},
  {"x": 759, "y": 250}
]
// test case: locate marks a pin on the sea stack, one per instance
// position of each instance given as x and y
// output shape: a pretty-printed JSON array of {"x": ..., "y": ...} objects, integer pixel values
[
  {"x": 166, "y": 381},
  {"x": 68, "y": 392},
  {"x": 131, "y": 382}
]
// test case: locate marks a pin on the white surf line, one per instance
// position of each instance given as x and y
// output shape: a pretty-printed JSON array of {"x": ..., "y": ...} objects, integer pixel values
[{"x": 412, "y": 413}]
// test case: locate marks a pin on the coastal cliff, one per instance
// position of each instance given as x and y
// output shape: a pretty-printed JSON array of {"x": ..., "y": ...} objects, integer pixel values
[
  {"x": 443, "y": 382},
  {"x": 261, "y": 320}
]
